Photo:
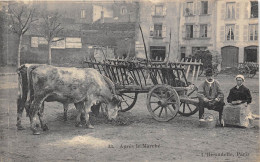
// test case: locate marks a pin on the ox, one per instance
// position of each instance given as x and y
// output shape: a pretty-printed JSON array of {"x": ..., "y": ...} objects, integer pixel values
[
  {"x": 25, "y": 93},
  {"x": 83, "y": 87}
]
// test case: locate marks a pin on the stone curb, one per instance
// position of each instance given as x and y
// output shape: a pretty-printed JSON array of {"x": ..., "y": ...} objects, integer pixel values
[{"x": 5, "y": 74}]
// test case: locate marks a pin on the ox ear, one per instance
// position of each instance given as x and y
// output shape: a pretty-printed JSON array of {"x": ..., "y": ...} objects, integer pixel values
[{"x": 115, "y": 100}]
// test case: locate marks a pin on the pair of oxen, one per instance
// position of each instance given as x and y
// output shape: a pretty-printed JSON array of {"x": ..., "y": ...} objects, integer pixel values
[{"x": 82, "y": 86}]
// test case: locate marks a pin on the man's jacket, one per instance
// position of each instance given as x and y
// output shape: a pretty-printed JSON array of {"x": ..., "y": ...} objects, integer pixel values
[{"x": 210, "y": 92}]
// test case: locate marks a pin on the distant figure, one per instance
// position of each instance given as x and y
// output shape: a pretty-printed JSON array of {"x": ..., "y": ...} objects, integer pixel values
[
  {"x": 210, "y": 96},
  {"x": 239, "y": 94}
]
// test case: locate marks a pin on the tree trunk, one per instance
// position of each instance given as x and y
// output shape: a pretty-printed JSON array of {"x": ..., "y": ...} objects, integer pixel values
[
  {"x": 19, "y": 51},
  {"x": 49, "y": 49}
]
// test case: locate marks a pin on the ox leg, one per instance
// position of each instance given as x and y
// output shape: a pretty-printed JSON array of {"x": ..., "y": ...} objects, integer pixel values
[
  {"x": 36, "y": 107},
  {"x": 79, "y": 106},
  {"x": 87, "y": 110},
  {"x": 33, "y": 120},
  {"x": 44, "y": 126},
  {"x": 20, "y": 108},
  {"x": 65, "y": 115}
]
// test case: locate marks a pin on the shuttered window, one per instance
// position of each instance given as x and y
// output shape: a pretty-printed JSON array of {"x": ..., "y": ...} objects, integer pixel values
[
  {"x": 158, "y": 10},
  {"x": 230, "y": 32},
  {"x": 253, "y": 32},
  {"x": 158, "y": 30},
  {"x": 254, "y": 9},
  {"x": 204, "y": 7},
  {"x": 189, "y": 31},
  {"x": 203, "y": 31},
  {"x": 189, "y": 9},
  {"x": 230, "y": 10}
]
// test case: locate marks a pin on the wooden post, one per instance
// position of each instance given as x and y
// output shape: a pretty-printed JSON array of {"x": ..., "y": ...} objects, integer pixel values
[
  {"x": 194, "y": 71},
  {"x": 198, "y": 70},
  {"x": 188, "y": 69}
]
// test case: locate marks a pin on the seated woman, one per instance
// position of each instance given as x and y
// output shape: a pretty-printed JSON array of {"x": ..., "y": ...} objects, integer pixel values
[
  {"x": 238, "y": 112},
  {"x": 239, "y": 94}
]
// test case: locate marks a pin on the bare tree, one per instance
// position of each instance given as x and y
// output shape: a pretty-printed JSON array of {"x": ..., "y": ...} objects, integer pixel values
[
  {"x": 50, "y": 28},
  {"x": 21, "y": 16}
]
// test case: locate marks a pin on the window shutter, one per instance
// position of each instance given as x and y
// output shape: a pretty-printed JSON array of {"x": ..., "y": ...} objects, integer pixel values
[
  {"x": 209, "y": 31},
  {"x": 246, "y": 10},
  {"x": 245, "y": 34},
  {"x": 223, "y": 11},
  {"x": 237, "y": 10},
  {"x": 153, "y": 10},
  {"x": 237, "y": 33},
  {"x": 194, "y": 8},
  {"x": 151, "y": 30},
  {"x": 164, "y": 10},
  {"x": 196, "y": 31},
  {"x": 163, "y": 31},
  {"x": 222, "y": 33},
  {"x": 184, "y": 7},
  {"x": 198, "y": 8},
  {"x": 210, "y": 7},
  {"x": 183, "y": 31}
]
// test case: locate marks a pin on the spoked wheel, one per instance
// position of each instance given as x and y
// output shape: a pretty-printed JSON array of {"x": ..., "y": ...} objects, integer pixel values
[
  {"x": 251, "y": 73},
  {"x": 188, "y": 104},
  {"x": 163, "y": 102},
  {"x": 128, "y": 101}
]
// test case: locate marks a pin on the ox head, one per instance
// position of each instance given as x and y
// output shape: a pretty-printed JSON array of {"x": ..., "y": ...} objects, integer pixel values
[{"x": 113, "y": 107}]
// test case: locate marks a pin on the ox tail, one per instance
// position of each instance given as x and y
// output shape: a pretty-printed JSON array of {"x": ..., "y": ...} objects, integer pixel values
[
  {"x": 30, "y": 93},
  {"x": 20, "y": 80}
]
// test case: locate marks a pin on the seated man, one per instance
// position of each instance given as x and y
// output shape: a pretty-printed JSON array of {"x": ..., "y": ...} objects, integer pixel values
[
  {"x": 210, "y": 96},
  {"x": 239, "y": 94}
]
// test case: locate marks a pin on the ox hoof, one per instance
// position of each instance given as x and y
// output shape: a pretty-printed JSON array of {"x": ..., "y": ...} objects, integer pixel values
[
  {"x": 90, "y": 126},
  {"x": 78, "y": 125},
  {"x": 45, "y": 127},
  {"x": 20, "y": 127},
  {"x": 36, "y": 132}
]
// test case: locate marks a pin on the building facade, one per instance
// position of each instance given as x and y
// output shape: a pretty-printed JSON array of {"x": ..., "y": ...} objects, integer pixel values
[
  {"x": 170, "y": 29},
  {"x": 198, "y": 26},
  {"x": 159, "y": 25},
  {"x": 237, "y": 31}
]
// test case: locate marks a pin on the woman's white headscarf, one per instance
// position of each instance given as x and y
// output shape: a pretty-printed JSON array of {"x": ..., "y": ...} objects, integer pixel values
[{"x": 240, "y": 76}]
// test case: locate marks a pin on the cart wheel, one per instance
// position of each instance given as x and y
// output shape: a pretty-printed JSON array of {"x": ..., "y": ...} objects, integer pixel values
[
  {"x": 163, "y": 102},
  {"x": 251, "y": 73},
  {"x": 187, "y": 109},
  {"x": 128, "y": 101}
]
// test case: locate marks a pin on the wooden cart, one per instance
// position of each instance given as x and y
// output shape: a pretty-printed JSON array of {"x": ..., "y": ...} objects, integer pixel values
[{"x": 168, "y": 91}]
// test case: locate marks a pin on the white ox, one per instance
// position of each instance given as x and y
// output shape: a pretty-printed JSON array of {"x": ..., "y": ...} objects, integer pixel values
[{"x": 81, "y": 86}]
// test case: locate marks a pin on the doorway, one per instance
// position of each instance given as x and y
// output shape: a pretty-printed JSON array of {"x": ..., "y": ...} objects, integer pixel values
[
  {"x": 157, "y": 53},
  {"x": 250, "y": 54},
  {"x": 229, "y": 56}
]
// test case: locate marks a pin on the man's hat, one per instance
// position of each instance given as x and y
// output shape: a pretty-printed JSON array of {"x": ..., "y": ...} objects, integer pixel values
[{"x": 209, "y": 72}]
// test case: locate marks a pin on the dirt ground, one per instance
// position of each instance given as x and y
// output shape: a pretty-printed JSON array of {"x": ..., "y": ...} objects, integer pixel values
[{"x": 143, "y": 139}]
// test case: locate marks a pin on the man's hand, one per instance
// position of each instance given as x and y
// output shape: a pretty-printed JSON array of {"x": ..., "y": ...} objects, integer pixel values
[
  {"x": 205, "y": 99},
  {"x": 236, "y": 102},
  {"x": 217, "y": 99}
]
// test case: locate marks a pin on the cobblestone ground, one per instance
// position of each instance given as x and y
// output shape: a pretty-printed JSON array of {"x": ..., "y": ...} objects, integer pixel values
[{"x": 144, "y": 139}]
